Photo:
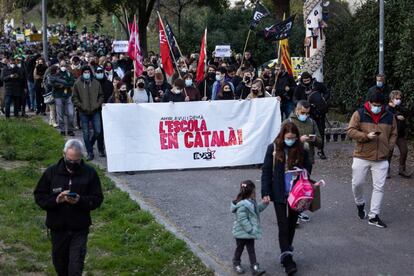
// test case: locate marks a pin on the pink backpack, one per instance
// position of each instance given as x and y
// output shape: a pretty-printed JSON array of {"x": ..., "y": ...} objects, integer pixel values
[{"x": 301, "y": 195}]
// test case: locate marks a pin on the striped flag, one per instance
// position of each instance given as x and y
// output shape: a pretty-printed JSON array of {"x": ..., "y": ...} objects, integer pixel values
[
  {"x": 285, "y": 56},
  {"x": 201, "y": 67}
]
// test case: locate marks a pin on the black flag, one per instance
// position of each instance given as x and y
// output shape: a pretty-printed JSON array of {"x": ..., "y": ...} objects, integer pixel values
[
  {"x": 259, "y": 12},
  {"x": 278, "y": 31},
  {"x": 171, "y": 40}
]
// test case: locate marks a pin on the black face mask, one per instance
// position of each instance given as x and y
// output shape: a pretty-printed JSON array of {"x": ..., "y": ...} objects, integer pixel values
[
  {"x": 211, "y": 75},
  {"x": 255, "y": 91},
  {"x": 72, "y": 166},
  {"x": 141, "y": 85},
  {"x": 247, "y": 79},
  {"x": 123, "y": 91}
]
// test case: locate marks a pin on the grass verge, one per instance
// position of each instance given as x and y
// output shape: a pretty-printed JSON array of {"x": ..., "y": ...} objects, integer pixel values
[{"x": 124, "y": 240}]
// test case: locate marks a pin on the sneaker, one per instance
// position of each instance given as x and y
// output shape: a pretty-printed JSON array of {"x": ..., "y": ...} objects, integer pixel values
[
  {"x": 362, "y": 214},
  {"x": 377, "y": 222},
  {"x": 71, "y": 133},
  {"x": 322, "y": 155},
  {"x": 405, "y": 174},
  {"x": 102, "y": 154},
  {"x": 304, "y": 217},
  {"x": 238, "y": 269},
  {"x": 55, "y": 125},
  {"x": 256, "y": 270}
]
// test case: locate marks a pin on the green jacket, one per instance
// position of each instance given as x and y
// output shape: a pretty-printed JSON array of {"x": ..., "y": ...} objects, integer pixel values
[
  {"x": 247, "y": 219},
  {"x": 88, "y": 96},
  {"x": 306, "y": 128},
  {"x": 65, "y": 89}
]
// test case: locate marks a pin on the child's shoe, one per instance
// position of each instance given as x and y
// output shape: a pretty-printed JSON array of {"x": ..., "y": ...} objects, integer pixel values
[
  {"x": 238, "y": 269},
  {"x": 256, "y": 270}
]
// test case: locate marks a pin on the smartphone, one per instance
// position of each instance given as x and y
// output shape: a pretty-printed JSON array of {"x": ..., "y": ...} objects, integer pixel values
[
  {"x": 377, "y": 133},
  {"x": 72, "y": 195},
  {"x": 312, "y": 135},
  {"x": 295, "y": 171}
]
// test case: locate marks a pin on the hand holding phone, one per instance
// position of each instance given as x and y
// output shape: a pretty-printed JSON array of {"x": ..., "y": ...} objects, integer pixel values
[{"x": 72, "y": 195}]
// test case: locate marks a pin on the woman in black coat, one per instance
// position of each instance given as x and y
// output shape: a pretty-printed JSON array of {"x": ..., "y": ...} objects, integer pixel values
[{"x": 284, "y": 154}]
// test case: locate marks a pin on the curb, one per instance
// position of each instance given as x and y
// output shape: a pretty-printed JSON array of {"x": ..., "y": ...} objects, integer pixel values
[{"x": 208, "y": 260}]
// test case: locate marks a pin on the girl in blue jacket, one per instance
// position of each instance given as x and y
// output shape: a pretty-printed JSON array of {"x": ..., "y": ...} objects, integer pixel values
[{"x": 246, "y": 227}]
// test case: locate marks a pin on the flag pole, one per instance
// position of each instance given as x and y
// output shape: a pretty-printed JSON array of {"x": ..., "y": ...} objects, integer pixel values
[
  {"x": 205, "y": 63},
  {"x": 279, "y": 61},
  {"x": 175, "y": 61},
  {"x": 245, "y": 46}
]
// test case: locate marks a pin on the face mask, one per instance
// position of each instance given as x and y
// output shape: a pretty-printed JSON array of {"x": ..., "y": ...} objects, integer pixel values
[
  {"x": 99, "y": 76},
  {"x": 188, "y": 82},
  {"x": 290, "y": 142},
  {"x": 72, "y": 166},
  {"x": 19, "y": 65},
  {"x": 376, "y": 109},
  {"x": 211, "y": 75},
  {"x": 63, "y": 69},
  {"x": 122, "y": 91},
  {"x": 76, "y": 66},
  {"x": 86, "y": 76},
  {"x": 219, "y": 77},
  {"x": 247, "y": 79},
  {"x": 141, "y": 85},
  {"x": 397, "y": 102},
  {"x": 108, "y": 68},
  {"x": 255, "y": 91},
  {"x": 184, "y": 70},
  {"x": 380, "y": 84},
  {"x": 302, "y": 117},
  {"x": 12, "y": 66},
  {"x": 177, "y": 91}
]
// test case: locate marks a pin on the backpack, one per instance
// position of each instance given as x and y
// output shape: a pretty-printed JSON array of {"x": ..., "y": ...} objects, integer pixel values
[
  {"x": 301, "y": 194},
  {"x": 319, "y": 106}
]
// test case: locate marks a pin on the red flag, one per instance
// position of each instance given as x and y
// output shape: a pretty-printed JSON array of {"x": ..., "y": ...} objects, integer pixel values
[
  {"x": 202, "y": 59},
  {"x": 167, "y": 63},
  {"x": 285, "y": 56},
  {"x": 134, "y": 50}
]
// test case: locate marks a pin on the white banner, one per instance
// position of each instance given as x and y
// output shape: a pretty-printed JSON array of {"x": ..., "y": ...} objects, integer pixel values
[
  {"x": 120, "y": 46},
  {"x": 222, "y": 51},
  {"x": 160, "y": 136}
]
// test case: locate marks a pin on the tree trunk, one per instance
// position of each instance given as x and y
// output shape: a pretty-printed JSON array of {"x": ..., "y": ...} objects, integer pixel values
[{"x": 282, "y": 6}]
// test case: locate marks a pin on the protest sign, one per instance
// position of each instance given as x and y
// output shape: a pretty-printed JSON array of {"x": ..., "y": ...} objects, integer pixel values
[
  {"x": 222, "y": 51},
  {"x": 120, "y": 46},
  {"x": 160, "y": 136}
]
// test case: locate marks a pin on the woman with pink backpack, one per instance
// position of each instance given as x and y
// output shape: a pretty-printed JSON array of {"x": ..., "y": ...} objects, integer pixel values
[{"x": 284, "y": 161}]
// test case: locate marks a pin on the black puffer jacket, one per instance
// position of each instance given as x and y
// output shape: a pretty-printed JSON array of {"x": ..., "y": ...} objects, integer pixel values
[
  {"x": 13, "y": 86},
  {"x": 65, "y": 216}
]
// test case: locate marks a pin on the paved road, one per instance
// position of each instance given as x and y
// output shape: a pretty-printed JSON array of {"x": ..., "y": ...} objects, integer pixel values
[{"x": 335, "y": 242}]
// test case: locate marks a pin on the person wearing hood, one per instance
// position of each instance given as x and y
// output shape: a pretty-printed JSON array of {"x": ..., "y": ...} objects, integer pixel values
[
  {"x": 12, "y": 78},
  {"x": 62, "y": 92},
  {"x": 284, "y": 88},
  {"x": 107, "y": 89},
  {"x": 88, "y": 97},
  {"x": 257, "y": 90},
  {"x": 176, "y": 94},
  {"x": 192, "y": 92},
  {"x": 318, "y": 96},
  {"x": 374, "y": 129},
  {"x": 380, "y": 87},
  {"x": 140, "y": 94},
  {"x": 246, "y": 226}
]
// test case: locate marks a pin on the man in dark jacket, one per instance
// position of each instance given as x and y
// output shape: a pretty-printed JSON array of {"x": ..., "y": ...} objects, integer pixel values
[
  {"x": 12, "y": 78},
  {"x": 285, "y": 86},
  {"x": 88, "y": 97},
  {"x": 380, "y": 87},
  {"x": 68, "y": 191},
  {"x": 176, "y": 94},
  {"x": 107, "y": 89},
  {"x": 318, "y": 96},
  {"x": 159, "y": 87}
]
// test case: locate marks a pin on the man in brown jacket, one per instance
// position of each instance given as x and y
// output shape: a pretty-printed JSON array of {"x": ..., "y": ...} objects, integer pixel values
[
  {"x": 88, "y": 98},
  {"x": 375, "y": 131}
]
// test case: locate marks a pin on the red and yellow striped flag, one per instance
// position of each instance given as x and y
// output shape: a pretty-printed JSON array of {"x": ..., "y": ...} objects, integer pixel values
[{"x": 285, "y": 56}]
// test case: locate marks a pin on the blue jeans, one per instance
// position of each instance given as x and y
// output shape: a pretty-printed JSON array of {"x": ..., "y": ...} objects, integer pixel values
[
  {"x": 32, "y": 95},
  {"x": 286, "y": 108},
  {"x": 64, "y": 107},
  {"x": 95, "y": 120}
]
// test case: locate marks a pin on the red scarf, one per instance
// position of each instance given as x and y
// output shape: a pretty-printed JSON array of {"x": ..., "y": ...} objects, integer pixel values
[{"x": 375, "y": 117}]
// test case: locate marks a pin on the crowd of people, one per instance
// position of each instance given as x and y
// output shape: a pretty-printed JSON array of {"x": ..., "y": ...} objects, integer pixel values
[{"x": 83, "y": 74}]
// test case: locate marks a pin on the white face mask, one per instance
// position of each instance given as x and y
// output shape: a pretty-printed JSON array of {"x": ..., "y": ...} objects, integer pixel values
[
  {"x": 397, "y": 101},
  {"x": 188, "y": 82},
  {"x": 63, "y": 69},
  {"x": 177, "y": 91}
]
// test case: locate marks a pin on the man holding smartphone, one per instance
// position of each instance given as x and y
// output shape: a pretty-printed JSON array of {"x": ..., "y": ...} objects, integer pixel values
[
  {"x": 375, "y": 131},
  {"x": 68, "y": 191}
]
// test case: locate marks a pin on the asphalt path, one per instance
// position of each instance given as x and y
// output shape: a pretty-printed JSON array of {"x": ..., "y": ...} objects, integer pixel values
[{"x": 334, "y": 242}]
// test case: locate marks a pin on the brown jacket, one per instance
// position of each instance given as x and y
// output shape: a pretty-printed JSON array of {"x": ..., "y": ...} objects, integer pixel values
[{"x": 378, "y": 148}]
